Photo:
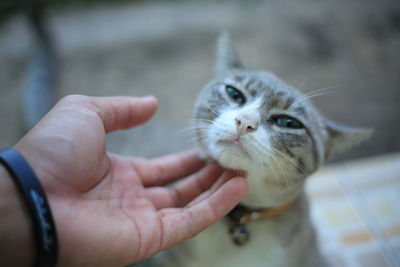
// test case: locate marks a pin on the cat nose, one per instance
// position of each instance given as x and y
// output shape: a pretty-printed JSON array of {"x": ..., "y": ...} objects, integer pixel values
[{"x": 247, "y": 122}]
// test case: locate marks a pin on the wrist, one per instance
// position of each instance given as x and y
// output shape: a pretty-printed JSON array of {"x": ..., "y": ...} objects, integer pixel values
[
  {"x": 15, "y": 226},
  {"x": 43, "y": 226}
]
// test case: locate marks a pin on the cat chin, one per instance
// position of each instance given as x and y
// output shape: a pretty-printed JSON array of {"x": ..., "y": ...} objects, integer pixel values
[
  {"x": 231, "y": 158},
  {"x": 270, "y": 184},
  {"x": 266, "y": 190}
]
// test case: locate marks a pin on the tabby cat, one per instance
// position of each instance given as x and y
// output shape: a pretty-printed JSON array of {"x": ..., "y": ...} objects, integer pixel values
[{"x": 252, "y": 121}]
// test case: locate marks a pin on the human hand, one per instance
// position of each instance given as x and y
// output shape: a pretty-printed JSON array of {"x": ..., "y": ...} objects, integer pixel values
[{"x": 112, "y": 210}]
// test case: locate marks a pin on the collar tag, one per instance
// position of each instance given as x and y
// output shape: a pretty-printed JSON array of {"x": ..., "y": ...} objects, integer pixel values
[{"x": 241, "y": 215}]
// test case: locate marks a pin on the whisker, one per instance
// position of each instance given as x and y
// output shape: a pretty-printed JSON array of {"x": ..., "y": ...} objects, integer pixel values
[
  {"x": 197, "y": 134},
  {"x": 294, "y": 162},
  {"x": 329, "y": 88},
  {"x": 261, "y": 147},
  {"x": 187, "y": 133},
  {"x": 212, "y": 110},
  {"x": 209, "y": 121},
  {"x": 274, "y": 175},
  {"x": 315, "y": 93},
  {"x": 195, "y": 139},
  {"x": 201, "y": 120},
  {"x": 306, "y": 79},
  {"x": 193, "y": 128},
  {"x": 277, "y": 165},
  {"x": 281, "y": 171}
]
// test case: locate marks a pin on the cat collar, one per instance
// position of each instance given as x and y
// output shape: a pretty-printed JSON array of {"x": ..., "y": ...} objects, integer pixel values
[{"x": 241, "y": 215}]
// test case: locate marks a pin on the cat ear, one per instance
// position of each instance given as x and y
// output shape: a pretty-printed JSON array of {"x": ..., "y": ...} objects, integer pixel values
[
  {"x": 341, "y": 137},
  {"x": 227, "y": 58}
]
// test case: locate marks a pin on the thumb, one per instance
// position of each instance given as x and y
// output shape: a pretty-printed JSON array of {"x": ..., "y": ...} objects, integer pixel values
[{"x": 121, "y": 112}]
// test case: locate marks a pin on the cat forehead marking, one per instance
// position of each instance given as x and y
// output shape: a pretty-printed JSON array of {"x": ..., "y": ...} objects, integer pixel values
[{"x": 275, "y": 94}]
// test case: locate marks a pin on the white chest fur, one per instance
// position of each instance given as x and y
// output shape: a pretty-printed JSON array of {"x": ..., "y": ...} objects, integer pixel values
[
  {"x": 278, "y": 242},
  {"x": 214, "y": 248}
]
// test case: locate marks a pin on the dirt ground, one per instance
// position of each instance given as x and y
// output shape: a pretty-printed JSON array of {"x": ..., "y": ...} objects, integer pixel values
[{"x": 167, "y": 49}]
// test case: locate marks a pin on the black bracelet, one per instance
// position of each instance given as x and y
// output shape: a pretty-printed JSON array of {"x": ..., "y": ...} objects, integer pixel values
[{"x": 44, "y": 229}]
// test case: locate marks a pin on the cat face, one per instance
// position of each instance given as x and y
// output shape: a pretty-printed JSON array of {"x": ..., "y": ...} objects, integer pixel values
[
  {"x": 256, "y": 119},
  {"x": 251, "y": 120}
]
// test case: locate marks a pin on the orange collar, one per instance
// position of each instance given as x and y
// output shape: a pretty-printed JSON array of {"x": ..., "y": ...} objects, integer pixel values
[
  {"x": 241, "y": 215},
  {"x": 262, "y": 214}
]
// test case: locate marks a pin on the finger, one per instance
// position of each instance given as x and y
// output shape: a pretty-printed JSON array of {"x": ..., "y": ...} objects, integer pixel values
[
  {"x": 227, "y": 175},
  {"x": 166, "y": 169},
  {"x": 186, "y": 190},
  {"x": 187, "y": 223},
  {"x": 121, "y": 112},
  {"x": 196, "y": 185}
]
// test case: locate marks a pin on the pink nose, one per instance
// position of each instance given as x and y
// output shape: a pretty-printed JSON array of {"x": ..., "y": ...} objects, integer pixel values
[{"x": 247, "y": 122}]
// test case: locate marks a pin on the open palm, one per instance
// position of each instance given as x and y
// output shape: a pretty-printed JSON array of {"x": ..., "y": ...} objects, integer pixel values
[{"x": 112, "y": 210}]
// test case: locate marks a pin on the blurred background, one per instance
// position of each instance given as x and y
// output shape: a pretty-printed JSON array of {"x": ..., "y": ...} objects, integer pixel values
[{"x": 167, "y": 49}]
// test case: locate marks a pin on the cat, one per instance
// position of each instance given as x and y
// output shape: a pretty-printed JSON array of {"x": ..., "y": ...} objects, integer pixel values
[{"x": 253, "y": 121}]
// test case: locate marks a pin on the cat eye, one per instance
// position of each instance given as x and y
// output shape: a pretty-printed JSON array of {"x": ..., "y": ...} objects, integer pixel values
[
  {"x": 235, "y": 94},
  {"x": 287, "y": 122}
]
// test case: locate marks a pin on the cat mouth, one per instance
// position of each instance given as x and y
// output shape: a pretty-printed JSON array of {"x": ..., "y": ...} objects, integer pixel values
[{"x": 235, "y": 142}]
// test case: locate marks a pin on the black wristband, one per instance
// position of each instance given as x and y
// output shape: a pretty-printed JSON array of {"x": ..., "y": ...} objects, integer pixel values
[{"x": 44, "y": 229}]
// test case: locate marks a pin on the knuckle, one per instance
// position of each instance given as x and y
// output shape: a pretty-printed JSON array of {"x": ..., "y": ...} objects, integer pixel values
[
  {"x": 187, "y": 218},
  {"x": 176, "y": 196}
]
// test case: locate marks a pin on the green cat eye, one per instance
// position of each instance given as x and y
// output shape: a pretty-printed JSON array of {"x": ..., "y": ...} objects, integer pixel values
[
  {"x": 235, "y": 94},
  {"x": 287, "y": 122}
]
